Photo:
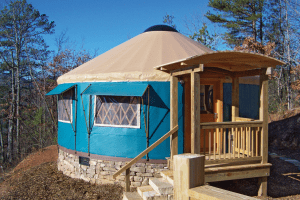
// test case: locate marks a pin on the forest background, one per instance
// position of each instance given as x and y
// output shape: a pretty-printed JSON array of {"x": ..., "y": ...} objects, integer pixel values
[{"x": 28, "y": 69}]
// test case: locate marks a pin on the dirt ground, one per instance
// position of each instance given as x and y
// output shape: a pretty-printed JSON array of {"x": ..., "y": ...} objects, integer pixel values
[
  {"x": 37, "y": 177},
  {"x": 283, "y": 182}
]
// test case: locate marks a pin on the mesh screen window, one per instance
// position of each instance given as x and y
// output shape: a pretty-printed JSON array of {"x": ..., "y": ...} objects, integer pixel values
[
  {"x": 65, "y": 106},
  {"x": 117, "y": 111}
]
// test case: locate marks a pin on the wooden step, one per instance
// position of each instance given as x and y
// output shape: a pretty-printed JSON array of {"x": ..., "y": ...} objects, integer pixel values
[
  {"x": 131, "y": 196},
  {"x": 161, "y": 186},
  {"x": 210, "y": 192}
]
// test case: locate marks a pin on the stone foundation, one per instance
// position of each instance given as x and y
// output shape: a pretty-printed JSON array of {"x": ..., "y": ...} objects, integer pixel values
[{"x": 100, "y": 171}]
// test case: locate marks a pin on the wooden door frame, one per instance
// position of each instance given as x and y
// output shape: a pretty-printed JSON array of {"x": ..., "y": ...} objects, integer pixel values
[{"x": 218, "y": 105}]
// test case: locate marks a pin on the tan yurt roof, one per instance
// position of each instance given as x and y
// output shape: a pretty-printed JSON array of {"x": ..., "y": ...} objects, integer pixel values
[{"x": 135, "y": 59}]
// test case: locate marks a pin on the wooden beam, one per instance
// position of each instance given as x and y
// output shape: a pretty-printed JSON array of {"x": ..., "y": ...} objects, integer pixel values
[
  {"x": 127, "y": 180},
  {"x": 163, "y": 69},
  {"x": 269, "y": 71},
  {"x": 195, "y": 113},
  {"x": 236, "y": 172},
  {"x": 219, "y": 70},
  {"x": 233, "y": 161},
  {"x": 235, "y": 99},
  {"x": 263, "y": 116},
  {"x": 262, "y": 182},
  {"x": 174, "y": 114},
  {"x": 220, "y": 102},
  {"x": 253, "y": 72},
  {"x": 188, "y": 173},
  {"x": 213, "y": 125},
  {"x": 187, "y": 70}
]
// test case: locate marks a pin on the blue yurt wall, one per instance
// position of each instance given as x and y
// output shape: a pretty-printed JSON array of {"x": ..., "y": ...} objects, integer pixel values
[
  {"x": 119, "y": 141},
  {"x": 248, "y": 101}
]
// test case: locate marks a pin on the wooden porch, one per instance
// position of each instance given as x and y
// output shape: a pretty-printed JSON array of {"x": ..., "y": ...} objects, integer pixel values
[{"x": 233, "y": 150}]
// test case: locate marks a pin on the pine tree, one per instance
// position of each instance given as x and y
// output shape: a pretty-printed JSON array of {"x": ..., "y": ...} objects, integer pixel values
[
  {"x": 241, "y": 18},
  {"x": 21, "y": 42}
]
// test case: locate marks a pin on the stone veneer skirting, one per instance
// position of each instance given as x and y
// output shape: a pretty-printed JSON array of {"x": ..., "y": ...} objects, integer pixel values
[{"x": 102, "y": 168}]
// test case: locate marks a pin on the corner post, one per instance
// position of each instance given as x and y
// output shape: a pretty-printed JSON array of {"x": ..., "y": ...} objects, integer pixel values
[
  {"x": 263, "y": 116},
  {"x": 188, "y": 173},
  {"x": 235, "y": 98},
  {"x": 173, "y": 117},
  {"x": 195, "y": 113}
]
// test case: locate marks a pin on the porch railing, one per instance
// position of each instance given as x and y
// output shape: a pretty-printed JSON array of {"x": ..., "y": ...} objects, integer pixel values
[{"x": 231, "y": 140}]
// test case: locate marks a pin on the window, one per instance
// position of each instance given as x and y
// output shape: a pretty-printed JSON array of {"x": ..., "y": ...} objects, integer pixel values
[
  {"x": 117, "y": 111},
  {"x": 206, "y": 99},
  {"x": 65, "y": 106}
]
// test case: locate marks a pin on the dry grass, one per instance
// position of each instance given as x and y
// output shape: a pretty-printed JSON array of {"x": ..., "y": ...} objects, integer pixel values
[{"x": 46, "y": 182}]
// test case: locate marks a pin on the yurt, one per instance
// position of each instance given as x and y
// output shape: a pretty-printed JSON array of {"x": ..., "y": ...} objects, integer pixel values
[{"x": 116, "y": 105}]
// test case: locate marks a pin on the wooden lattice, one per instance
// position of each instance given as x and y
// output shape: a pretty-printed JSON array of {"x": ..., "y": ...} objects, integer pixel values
[
  {"x": 65, "y": 106},
  {"x": 117, "y": 111}
]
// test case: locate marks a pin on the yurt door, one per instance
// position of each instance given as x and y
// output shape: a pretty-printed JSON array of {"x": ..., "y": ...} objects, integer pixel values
[
  {"x": 210, "y": 94},
  {"x": 208, "y": 113}
]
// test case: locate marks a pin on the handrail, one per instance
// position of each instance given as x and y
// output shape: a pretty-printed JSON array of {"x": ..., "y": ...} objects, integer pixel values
[
  {"x": 128, "y": 165},
  {"x": 212, "y": 125},
  {"x": 244, "y": 119}
]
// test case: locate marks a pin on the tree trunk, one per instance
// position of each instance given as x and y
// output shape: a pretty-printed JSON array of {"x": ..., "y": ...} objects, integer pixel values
[
  {"x": 11, "y": 119},
  {"x": 1, "y": 140},
  {"x": 18, "y": 111},
  {"x": 288, "y": 58}
]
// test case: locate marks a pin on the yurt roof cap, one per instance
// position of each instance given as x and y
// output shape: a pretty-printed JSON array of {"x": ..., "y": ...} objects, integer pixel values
[{"x": 161, "y": 27}]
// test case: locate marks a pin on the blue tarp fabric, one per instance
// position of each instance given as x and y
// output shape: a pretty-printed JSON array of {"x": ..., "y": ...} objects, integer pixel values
[
  {"x": 61, "y": 88},
  {"x": 122, "y": 89}
]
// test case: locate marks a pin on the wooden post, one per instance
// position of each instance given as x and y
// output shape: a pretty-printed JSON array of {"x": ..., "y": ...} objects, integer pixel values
[
  {"x": 188, "y": 173},
  {"x": 127, "y": 180},
  {"x": 263, "y": 116},
  {"x": 235, "y": 98},
  {"x": 173, "y": 116},
  {"x": 195, "y": 113},
  {"x": 220, "y": 103}
]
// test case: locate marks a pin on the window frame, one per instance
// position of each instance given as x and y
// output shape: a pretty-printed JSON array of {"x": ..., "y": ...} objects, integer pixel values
[
  {"x": 138, "y": 126},
  {"x": 71, "y": 113}
]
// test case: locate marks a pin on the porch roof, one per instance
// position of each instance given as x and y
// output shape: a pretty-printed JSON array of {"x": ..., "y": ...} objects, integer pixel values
[{"x": 233, "y": 61}]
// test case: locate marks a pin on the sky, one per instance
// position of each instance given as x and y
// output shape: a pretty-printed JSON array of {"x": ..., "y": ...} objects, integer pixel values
[{"x": 103, "y": 24}]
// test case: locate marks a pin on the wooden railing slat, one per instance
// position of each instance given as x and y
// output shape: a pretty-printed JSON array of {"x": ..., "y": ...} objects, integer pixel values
[
  {"x": 209, "y": 145},
  {"x": 215, "y": 131}
]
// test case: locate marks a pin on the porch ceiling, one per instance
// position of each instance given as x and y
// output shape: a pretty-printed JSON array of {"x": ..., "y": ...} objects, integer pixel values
[{"x": 233, "y": 61}]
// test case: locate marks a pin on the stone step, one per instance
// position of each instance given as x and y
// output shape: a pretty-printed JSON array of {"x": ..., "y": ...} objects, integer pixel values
[
  {"x": 161, "y": 186},
  {"x": 152, "y": 195},
  {"x": 131, "y": 196},
  {"x": 168, "y": 175},
  {"x": 143, "y": 189},
  {"x": 147, "y": 193}
]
